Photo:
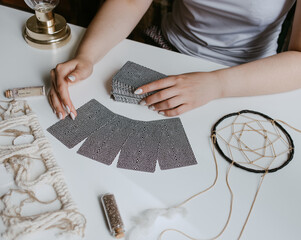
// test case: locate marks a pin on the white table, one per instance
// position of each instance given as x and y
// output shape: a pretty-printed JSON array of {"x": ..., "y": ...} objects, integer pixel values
[{"x": 277, "y": 212}]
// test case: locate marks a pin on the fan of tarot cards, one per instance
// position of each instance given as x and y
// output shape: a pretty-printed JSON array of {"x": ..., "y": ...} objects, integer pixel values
[
  {"x": 130, "y": 77},
  {"x": 140, "y": 143}
]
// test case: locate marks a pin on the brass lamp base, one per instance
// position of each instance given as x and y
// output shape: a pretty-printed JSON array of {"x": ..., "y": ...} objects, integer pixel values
[{"x": 46, "y": 31}]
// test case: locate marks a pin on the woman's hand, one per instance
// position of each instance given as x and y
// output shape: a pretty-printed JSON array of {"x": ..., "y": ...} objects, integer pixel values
[
  {"x": 64, "y": 75},
  {"x": 114, "y": 21},
  {"x": 181, "y": 93}
]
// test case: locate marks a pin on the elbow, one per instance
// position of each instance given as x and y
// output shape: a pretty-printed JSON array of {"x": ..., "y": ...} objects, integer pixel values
[
  {"x": 294, "y": 46},
  {"x": 294, "y": 49}
]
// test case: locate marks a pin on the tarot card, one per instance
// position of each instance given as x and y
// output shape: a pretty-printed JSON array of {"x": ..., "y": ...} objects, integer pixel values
[
  {"x": 140, "y": 151},
  {"x": 90, "y": 117},
  {"x": 174, "y": 150},
  {"x": 105, "y": 143}
]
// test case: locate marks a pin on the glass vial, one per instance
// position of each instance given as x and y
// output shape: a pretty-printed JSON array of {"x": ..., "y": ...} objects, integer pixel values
[
  {"x": 113, "y": 216},
  {"x": 25, "y": 92}
]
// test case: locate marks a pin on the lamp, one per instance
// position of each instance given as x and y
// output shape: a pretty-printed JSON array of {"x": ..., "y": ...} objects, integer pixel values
[{"x": 45, "y": 30}]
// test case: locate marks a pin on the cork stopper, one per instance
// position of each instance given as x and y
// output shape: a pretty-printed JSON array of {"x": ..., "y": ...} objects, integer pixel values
[
  {"x": 8, "y": 94},
  {"x": 119, "y": 233}
]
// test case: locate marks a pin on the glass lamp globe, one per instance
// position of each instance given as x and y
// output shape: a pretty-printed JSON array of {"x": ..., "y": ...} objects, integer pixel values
[{"x": 46, "y": 30}]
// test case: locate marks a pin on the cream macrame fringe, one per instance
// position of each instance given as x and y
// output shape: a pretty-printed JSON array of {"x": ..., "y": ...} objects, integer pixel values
[{"x": 17, "y": 160}]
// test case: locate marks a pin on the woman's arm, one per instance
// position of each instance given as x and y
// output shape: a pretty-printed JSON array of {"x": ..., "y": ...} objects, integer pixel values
[
  {"x": 114, "y": 21},
  {"x": 278, "y": 73}
]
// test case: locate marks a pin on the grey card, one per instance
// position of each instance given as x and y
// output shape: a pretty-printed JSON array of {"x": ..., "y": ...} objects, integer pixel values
[
  {"x": 174, "y": 150},
  {"x": 105, "y": 143},
  {"x": 140, "y": 151},
  {"x": 90, "y": 117},
  {"x": 125, "y": 99}
]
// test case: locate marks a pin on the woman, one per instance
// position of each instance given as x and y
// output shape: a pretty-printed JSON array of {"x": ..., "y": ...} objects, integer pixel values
[{"x": 240, "y": 34}]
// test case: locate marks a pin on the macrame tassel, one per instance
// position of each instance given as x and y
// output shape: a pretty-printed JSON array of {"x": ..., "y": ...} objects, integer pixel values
[
  {"x": 147, "y": 219},
  {"x": 70, "y": 222}
]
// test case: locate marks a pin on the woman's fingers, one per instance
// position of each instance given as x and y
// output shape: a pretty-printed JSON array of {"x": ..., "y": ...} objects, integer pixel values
[
  {"x": 171, "y": 107},
  {"x": 170, "y": 103},
  {"x": 157, "y": 85},
  {"x": 60, "y": 97},
  {"x": 56, "y": 104},
  {"x": 50, "y": 102},
  {"x": 62, "y": 76},
  {"x": 160, "y": 96},
  {"x": 81, "y": 72},
  {"x": 61, "y": 87},
  {"x": 176, "y": 111},
  {"x": 67, "y": 74}
]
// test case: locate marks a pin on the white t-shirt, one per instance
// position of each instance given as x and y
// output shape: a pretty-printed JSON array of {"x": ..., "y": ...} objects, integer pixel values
[{"x": 230, "y": 32}]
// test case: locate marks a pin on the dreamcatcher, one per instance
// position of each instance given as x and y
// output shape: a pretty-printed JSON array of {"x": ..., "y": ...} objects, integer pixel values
[
  {"x": 254, "y": 142},
  {"x": 249, "y": 140}
]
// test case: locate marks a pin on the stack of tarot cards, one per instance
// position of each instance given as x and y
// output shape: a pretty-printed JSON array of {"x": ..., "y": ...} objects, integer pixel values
[{"x": 130, "y": 77}]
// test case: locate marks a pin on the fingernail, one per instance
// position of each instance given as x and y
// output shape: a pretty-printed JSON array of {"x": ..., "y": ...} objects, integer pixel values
[
  {"x": 142, "y": 103},
  {"x": 60, "y": 116},
  {"x": 68, "y": 109},
  {"x": 151, "y": 108},
  {"x": 71, "y": 78},
  {"x": 162, "y": 113},
  {"x": 72, "y": 115},
  {"x": 138, "y": 91},
  {"x": 54, "y": 111}
]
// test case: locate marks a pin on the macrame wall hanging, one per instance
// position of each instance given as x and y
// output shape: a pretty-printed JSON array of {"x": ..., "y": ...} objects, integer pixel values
[
  {"x": 38, "y": 198},
  {"x": 249, "y": 140}
]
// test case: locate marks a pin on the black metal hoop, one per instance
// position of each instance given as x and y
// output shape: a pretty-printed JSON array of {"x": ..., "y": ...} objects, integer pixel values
[{"x": 217, "y": 147}]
